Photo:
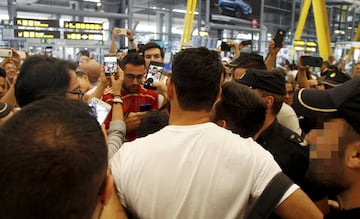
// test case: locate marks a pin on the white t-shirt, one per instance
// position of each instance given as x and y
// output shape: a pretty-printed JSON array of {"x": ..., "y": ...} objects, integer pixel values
[
  {"x": 197, "y": 171},
  {"x": 288, "y": 118}
]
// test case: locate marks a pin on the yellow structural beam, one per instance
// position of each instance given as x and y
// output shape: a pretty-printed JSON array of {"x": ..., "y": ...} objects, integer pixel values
[
  {"x": 356, "y": 38},
  {"x": 188, "y": 21},
  {"x": 322, "y": 28},
  {"x": 302, "y": 19},
  {"x": 321, "y": 24}
]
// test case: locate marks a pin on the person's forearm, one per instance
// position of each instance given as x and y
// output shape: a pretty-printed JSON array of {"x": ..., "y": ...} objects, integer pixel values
[
  {"x": 302, "y": 79},
  {"x": 270, "y": 61},
  {"x": 99, "y": 90},
  {"x": 112, "y": 48},
  {"x": 116, "y": 136},
  {"x": 132, "y": 44}
]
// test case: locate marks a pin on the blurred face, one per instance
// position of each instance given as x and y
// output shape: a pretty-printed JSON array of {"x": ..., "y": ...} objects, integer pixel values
[
  {"x": 10, "y": 69},
  {"x": 153, "y": 54},
  {"x": 288, "y": 98},
  {"x": 120, "y": 55},
  {"x": 356, "y": 71},
  {"x": 3, "y": 87},
  {"x": 73, "y": 91},
  {"x": 327, "y": 164},
  {"x": 133, "y": 77},
  {"x": 84, "y": 83}
]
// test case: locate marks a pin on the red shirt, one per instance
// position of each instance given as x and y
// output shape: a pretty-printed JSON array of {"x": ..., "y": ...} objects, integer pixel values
[{"x": 131, "y": 103}]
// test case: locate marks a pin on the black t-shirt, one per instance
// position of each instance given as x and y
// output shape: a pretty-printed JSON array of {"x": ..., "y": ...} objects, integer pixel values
[{"x": 348, "y": 214}]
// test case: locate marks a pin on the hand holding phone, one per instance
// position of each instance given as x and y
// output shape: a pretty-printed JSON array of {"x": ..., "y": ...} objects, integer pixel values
[
  {"x": 279, "y": 38},
  {"x": 153, "y": 74},
  {"x": 110, "y": 64}
]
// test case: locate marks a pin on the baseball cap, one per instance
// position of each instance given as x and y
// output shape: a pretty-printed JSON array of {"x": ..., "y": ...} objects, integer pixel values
[
  {"x": 342, "y": 101},
  {"x": 334, "y": 78},
  {"x": 5, "y": 109},
  {"x": 264, "y": 80}
]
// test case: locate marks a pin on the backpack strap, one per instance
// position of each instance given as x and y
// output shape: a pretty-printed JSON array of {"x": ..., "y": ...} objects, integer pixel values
[{"x": 270, "y": 197}]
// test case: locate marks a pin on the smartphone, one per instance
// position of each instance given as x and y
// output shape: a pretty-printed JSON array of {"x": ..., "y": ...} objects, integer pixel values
[
  {"x": 279, "y": 38},
  {"x": 6, "y": 53},
  {"x": 110, "y": 64},
  {"x": 145, "y": 107},
  {"x": 311, "y": 61},
  {"x": 153, "y": 74},
  {"x": 246, "y": 42},
  {"x": 225, "y": 47},
  {"x": 100, "y": 108},
  {"x": 123, "y": 31}
]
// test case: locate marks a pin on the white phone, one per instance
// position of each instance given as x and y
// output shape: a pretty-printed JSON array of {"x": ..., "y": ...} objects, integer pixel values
[
  {"x": 100, "y": 108},
  {"x": 6, "y": 53}
]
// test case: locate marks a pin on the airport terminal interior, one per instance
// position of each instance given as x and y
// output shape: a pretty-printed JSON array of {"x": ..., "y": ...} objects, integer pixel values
[{"x": 163, "y": 21}]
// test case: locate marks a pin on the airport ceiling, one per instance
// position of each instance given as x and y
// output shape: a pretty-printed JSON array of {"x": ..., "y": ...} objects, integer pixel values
[{"x": 180, "y": 4}]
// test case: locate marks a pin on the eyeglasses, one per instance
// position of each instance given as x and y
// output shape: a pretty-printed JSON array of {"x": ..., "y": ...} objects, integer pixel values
[
  {"x": 132, "y": 77},
  {"x": 290, "y": 92},
  {"x": 78, "y": 92}
]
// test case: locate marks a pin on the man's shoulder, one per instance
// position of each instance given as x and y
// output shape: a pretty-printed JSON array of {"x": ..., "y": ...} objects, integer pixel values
[{"x": 292, "y": 137}]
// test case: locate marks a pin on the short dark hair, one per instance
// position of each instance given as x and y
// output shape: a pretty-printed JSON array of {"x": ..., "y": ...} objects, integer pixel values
[
  {"x": 251, "y": 60},
  {"x": 278, "y": 100},
  {"x": 132, "y": 58},
  {"x": 53, "y": 161},
  {"x": 84, "y": 53},
  {"x": 242, "y": 109},
  {"x": 152, "y": 45},
  {"x": 152, "y": 122},
  {"x": 2, "y": 72},
  {"x": 196, "y": 74},
  {"x": 41, "y": 76}
]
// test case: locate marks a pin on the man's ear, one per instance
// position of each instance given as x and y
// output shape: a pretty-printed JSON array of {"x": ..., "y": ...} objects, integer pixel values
[
  {"x": 219, "y": 94},
  {"x": 108, "y": 189},
  {"x": 269, "y": 101},
  {"x": 353, "y": 160},
  {"x": 221, "y": 123},
  {"x": 170, "y": 87}
]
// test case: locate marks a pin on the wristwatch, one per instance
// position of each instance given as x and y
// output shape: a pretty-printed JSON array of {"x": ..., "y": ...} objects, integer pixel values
[{"x": 117, "y": 101}]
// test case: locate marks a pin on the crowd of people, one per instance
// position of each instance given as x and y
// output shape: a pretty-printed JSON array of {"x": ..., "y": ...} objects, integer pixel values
[{"x": 215, "y": 138}]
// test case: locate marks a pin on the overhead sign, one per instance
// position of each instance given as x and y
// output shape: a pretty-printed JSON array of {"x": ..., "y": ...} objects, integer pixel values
[
  {"x": 82, "y": 25},
  {"x": 35, "y": 23},
  {"x": 37, "y": 34},
  {"x": 82, "y": 36}
]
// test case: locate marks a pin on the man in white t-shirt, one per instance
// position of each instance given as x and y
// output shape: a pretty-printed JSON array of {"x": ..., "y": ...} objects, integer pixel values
[{"x": 193, "y": 168}]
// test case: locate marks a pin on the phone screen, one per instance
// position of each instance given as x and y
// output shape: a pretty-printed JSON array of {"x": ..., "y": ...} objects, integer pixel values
[
  {"x": 145, "y": 107},
  {"x": 110, "y": 65},
  {"x": 100, "y": 108},
  {"x": 153, "y": 73}
]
